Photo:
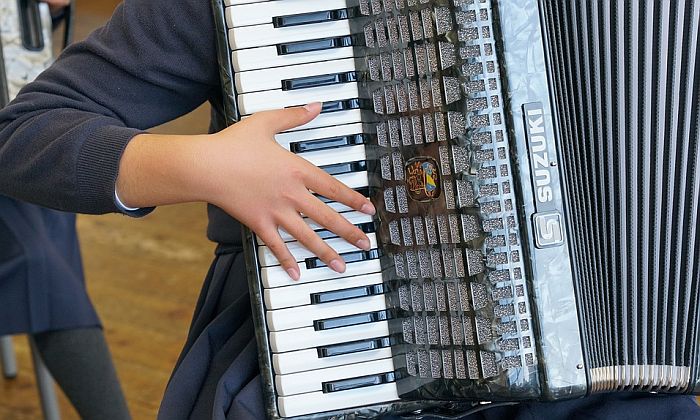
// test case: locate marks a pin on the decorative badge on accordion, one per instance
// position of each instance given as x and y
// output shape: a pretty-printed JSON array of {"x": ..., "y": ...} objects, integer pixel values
[
  {"x": 547, "y": 222},
  {"x": 423, "y": 179}
]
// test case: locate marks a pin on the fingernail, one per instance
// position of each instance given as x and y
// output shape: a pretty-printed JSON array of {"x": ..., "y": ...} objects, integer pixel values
[
  {"x": 368, "y": 208},
  {"x": 312, "y": 107},
  {"x": 293, "y": 274},
  {"x": 363, "y": 244},
  {"x": 337, "y": 265}
]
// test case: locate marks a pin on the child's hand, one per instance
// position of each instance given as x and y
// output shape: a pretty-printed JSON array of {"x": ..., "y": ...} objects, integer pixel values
[
  {"x": 246, "y": 173},
  {"x": 266, "y": 187}
]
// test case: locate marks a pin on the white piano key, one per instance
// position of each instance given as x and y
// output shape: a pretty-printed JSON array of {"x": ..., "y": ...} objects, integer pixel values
[
  {"x": 327, "y": 120},
  {"x": 338, "y": 207},
  {"x": 353, "y": 179},
  {"x": 250, "y": 103},
  {"x": 261, "y": 13},
  {"x": 268, "y": 79},
  {"x": 332, "y": 119},
  {"x": 304, "y": 316},
  {"x": 286, "y": 139},
  {"x": 236, "y": 2},
  {"x": 335, "y": 156},
  {"x": 305, "y": 382},
  {"x": 268, "y": 35},
  {"x": 306, "y": 360},
  {"x": 276, "y": 276},
  {"x": 300, "y": 294},
  {"x": 340, "y": 245},
  {"x": 306, "y": 338},
  {"x": 317, "y": 402},
  {"x": 267, "y": 57}
]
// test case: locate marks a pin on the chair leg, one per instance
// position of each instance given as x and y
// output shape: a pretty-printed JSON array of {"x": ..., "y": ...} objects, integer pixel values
[
  {"x": 7, "y": 357},
  {"x": 45, "y": 383}
]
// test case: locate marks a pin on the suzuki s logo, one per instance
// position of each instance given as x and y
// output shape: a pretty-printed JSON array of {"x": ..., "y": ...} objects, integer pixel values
[
  {"x": 548, "y": 229},
  {"x": 539, "y": 155},
  {"x": 547, "y": 221}
]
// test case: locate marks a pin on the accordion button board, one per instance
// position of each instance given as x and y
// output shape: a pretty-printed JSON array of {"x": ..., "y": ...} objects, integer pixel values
[{"x": 465, "y": 122}]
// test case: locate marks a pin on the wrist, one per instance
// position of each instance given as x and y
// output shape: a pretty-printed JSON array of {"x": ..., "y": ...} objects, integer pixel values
[{"x": 160, "y": 169}]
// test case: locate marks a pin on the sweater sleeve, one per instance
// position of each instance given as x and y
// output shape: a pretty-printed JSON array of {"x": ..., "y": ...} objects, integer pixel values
[{"x": 62, "y": 138}]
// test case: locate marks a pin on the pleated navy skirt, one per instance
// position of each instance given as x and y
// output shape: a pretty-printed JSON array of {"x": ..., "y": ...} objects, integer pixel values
[
  {"x": 42, "y": 287},
  {"x": 217, "y": 376}
]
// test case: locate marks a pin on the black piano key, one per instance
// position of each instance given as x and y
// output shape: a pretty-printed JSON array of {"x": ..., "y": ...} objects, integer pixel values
[
  {"x": 360, "y": 382},
  {"x": 299, "y": 47},
  {"x": 313, "y": 17},
  {"x": 344, "y": 294},
  {"x": 319, "y": 80},
  {"x": 350, "y": 320},
  {"x": 348, "y": 257},
  {"x": 353, "y": 347},
  {"x": 344, "y": 105},
  {"x": 364, "y": 227},
  {"x": 328, "y": 143},
  {"x": 345, "y": 168}
]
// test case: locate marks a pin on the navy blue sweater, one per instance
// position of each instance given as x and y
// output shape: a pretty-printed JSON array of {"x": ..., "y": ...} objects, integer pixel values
[{"x": 62, "y": 138}]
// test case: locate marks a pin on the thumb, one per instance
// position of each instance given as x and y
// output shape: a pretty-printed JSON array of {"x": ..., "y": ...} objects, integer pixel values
[{"x": 286, "y": 119}]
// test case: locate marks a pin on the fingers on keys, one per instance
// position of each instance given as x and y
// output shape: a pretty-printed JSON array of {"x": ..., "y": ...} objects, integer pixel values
[
  {"x": 277, "y": 246},
  {"x": 329, "y": 219},
  {"x": 296, "y": 227},
  {"x": 329, "y": 187},
  {"x": 281, "y": 120}
]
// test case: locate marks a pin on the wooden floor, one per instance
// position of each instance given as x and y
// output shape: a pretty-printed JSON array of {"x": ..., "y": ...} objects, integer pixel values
[{"x": 143, "y": 276}]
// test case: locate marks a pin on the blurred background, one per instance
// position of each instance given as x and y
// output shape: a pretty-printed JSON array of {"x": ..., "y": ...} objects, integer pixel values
[{"x": 143, "y": 275}]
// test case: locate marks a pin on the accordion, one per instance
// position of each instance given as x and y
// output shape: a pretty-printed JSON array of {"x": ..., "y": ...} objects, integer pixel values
[
  {"x": 536, "y": 169},
  {"x": 25, "y": 44}
]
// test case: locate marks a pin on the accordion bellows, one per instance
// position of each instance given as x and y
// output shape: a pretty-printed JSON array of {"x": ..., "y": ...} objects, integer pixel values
[{"x": 627, "y": 79}]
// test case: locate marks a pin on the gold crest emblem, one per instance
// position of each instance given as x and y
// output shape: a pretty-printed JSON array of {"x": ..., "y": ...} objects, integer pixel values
[{"x": 423, "y": 179}]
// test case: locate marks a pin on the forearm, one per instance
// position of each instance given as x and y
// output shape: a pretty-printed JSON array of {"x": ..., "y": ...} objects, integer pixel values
[
  {"x": 62, "y": 139},
  {"x": 159, "y": 169},
  {"x": 61, "y": 159}
]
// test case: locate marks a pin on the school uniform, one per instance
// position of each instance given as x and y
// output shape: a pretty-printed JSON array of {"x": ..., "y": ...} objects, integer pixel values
[
  {"x": 156, "y": 60},
  {"x": 41, "y": 276}
]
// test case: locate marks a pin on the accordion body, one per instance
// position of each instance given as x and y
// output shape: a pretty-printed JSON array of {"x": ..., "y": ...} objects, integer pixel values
[{"x": 536, "y": 170}]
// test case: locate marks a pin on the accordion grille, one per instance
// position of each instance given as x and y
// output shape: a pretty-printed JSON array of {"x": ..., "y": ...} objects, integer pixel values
[{"x": 627, "y": 76}]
